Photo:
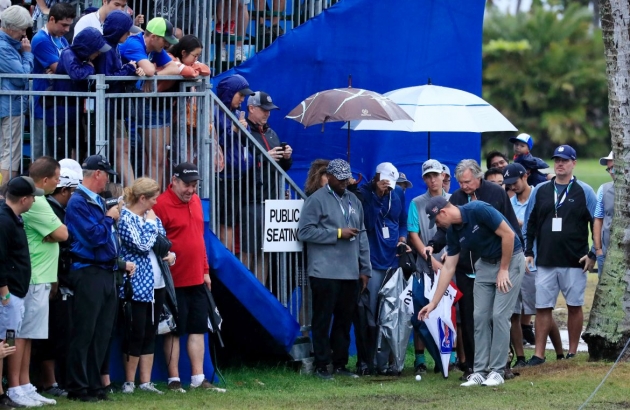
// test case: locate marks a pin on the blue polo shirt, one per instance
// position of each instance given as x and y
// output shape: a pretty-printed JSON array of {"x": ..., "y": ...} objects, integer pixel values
[
  {"x": 134, "y": 49},
  {"x": 46, "y": 48},
  {"x": 476, "y": 233}
]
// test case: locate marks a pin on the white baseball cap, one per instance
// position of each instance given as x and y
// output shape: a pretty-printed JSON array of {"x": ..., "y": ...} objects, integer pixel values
[
  {"x": 68, "y": 178},
  {"x": 388, "y": 172},
  {"x": 432, "y": 165},
  {"x": 69, "y": 163},
  {"x": 603, "y": 161}
]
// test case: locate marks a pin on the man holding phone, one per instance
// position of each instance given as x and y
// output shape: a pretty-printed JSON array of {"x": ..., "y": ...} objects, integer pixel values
[
  {"x": 15, "y": 268},
  {"x": 263, "y": 180},
  {"x": 338, "y": 260}
]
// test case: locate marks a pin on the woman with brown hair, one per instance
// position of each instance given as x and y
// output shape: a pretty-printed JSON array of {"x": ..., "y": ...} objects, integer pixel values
[{"x": 316, "y": 177}]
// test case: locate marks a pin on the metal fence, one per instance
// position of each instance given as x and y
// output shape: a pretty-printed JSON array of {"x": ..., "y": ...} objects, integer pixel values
[
  {"x": 230, "y": 30},
  {"x": 145, "y": 128}
]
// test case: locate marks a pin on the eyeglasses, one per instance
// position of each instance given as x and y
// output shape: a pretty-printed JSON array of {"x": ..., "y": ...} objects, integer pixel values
[{"x": 196, "y": 56}]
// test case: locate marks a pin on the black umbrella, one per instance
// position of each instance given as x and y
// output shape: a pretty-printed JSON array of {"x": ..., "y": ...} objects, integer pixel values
[
  {"x": 365, "y": 331},
  {"x": 214, "y": 316},
  {"x": 161, "y": 247}
]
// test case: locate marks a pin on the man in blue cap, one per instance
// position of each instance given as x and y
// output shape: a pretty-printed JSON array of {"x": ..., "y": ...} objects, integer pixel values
[
  {"x": 557, "y": 217},
  {"x": 331, "y": 223}
]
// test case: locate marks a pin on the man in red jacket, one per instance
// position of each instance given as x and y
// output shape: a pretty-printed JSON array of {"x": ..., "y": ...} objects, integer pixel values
[{"x": 179, "y": 209}]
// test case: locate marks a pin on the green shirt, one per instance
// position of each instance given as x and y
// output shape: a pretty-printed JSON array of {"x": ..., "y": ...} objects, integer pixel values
[{"x": 39, "y": 222}]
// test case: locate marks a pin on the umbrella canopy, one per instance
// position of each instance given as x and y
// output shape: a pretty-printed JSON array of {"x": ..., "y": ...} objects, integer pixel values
[
  {"x": 438, "y": 331},
  {"x": 346, "y": 104},
  {"x": 440, "y": 109},
  {"x": 394, "y": 322}
]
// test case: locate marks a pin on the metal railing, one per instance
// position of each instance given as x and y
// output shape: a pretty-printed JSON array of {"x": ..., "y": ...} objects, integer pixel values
[
  {"x": 230, "y": 30},
  {"x": 234, "y": 30},
  {"x": 144, "y": 129}
]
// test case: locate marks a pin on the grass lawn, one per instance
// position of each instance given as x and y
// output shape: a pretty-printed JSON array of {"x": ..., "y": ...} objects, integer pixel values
[{"x": 554, "y": 385}]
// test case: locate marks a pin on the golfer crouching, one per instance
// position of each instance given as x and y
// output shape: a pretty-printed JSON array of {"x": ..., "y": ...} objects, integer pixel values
[{"x": 481, "y": 229}]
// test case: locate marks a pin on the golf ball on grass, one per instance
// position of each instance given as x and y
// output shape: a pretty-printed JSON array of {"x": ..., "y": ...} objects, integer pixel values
[{"x": 418, "y": 378}]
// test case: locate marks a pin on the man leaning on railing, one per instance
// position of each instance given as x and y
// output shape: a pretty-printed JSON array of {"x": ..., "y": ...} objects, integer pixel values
[
  {"x": 147, "y": 50},
  {"x": 47, "y": 45},
  {"x": 17, "y": 58}
]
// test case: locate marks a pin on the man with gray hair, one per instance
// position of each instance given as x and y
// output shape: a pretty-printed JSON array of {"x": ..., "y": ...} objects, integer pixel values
[
  {"x": 472, "y": 188},
  {"x": 17, "y": 58}
]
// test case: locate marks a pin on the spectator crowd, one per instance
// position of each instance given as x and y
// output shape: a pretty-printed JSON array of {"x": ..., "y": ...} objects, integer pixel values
[{"x": 82, "y": 257}]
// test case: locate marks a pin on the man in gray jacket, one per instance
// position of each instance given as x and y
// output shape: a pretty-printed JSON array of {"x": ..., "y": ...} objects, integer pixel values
[{"x": 331, "y": 222}]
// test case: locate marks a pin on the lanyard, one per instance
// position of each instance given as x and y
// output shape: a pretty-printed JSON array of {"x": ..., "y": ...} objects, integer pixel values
[
  {"x": 559, "y": 199},
  {"x": 343, "y": 211},
  {"x": 389, "y": 208},
  {"x": 59, "y": 50}
]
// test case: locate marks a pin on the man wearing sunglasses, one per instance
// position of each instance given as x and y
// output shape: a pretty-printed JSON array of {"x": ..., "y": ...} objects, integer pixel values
[{"x": 603, "y": 213}]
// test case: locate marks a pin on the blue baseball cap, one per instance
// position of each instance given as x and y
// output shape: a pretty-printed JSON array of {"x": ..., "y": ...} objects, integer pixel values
[
  {"x": 525, "y": 138},
  {"x": 565, "y": 152}
]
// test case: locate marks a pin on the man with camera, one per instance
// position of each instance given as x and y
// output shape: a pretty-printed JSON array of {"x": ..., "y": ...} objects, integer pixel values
[
  {"x": 94, "y": 250},
  {"x": 386, "y": 226},
  {"x": 263, "y": 179},
  {"x": 15, "y": 267}
]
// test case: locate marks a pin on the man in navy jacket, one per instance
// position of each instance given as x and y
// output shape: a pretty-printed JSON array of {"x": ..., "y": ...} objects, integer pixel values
[{"x": 94, "y": 251}]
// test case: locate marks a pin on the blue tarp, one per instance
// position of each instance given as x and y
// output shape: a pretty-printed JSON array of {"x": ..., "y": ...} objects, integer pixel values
[
  {"x": 384, "y": 45},
  {"x": 258, "y": 302}
]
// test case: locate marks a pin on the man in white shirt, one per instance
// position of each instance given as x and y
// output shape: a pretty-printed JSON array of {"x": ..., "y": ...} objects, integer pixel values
[{"x": 97, "y": 18}]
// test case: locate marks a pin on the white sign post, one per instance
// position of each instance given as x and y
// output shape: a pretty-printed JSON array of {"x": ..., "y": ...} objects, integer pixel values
[{"x": 281, "y": 225}]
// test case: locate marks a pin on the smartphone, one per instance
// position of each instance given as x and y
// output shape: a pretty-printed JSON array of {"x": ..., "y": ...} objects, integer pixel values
[
  {"x": 10, "y": 338},
  {"x": 283, "y": 145}
]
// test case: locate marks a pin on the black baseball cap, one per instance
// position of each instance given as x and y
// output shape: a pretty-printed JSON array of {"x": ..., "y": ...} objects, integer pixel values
[
  {"x": 263, "y": 100},
  {"x": 98, "y": 163},
  {"x": 23, "y": 186},
  {"x": 512, "y": 173},
  {"x": 433, "y": 208},
  {"x": 187, "y": 172}
]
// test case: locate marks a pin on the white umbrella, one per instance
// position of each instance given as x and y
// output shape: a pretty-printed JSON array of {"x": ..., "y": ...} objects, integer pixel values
[{"x": 439, "y": 109}]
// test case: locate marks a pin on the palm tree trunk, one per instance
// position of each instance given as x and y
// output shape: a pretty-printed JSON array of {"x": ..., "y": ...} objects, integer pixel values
[{"x": 609, "y": 323}]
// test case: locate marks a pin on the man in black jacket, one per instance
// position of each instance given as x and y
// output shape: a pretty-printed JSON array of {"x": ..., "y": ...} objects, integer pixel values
[
  {"x": 262, "y": 181},
  {"x": 473, "y": 188},
  {"x": 558, "y": 216},
  {"x": 15, "y": 263}
]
